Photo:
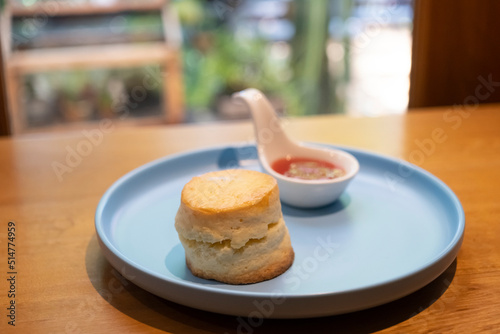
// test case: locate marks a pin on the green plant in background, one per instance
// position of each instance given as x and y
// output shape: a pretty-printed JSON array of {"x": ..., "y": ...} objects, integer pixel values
[
  {"x": 217, "y": 62},
  {"x": 310, "y": 61},
  {"x": 229, "y": 66}
]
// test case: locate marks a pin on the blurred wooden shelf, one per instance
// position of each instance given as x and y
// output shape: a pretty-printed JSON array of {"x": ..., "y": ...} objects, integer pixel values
[
  {"x": 119, "y": 55},
  {"x": 67, "y": 8},
  {"x": 165, "y": 53}
]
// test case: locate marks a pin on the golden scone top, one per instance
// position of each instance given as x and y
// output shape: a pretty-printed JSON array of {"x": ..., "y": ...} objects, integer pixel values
[{"x": 227, "y": 190}]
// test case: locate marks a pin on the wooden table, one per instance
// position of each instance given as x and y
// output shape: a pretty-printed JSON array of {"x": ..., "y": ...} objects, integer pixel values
[{"x": 51, "y": 185}]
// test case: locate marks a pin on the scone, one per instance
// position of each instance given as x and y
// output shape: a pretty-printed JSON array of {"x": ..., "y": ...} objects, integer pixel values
[{"x": 232, "y": 229}]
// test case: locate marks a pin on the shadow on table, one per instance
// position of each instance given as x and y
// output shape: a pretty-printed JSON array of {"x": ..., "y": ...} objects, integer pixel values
[{"x": 167, "y": 316}]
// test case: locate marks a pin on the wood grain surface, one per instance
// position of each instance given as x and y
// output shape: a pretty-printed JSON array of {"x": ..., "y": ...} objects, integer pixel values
[{"x": 64, "y": 285}]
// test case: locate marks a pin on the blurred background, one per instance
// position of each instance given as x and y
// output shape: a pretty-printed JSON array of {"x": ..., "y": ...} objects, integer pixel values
[{"x": 68, "y": 64}]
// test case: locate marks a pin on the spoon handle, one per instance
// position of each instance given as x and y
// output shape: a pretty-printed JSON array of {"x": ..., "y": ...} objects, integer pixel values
[{"x": 268, "y": 130}]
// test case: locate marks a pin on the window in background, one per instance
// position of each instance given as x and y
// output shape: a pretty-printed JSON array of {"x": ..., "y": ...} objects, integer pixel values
[
  {"x": 309, "y": 57},
  {"x": 380, "y": 40}
]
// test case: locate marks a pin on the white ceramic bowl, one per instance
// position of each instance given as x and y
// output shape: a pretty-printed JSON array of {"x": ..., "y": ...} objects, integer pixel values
[{"x": 311, "y": 193}]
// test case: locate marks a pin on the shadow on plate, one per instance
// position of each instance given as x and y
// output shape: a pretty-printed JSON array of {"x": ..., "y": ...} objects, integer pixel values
[
  {"x": 175, "y": 262},
  {"x": 170, "y": 317},
  {"x": 335, "y": 207},
  {"x": 235, "y": 157}
]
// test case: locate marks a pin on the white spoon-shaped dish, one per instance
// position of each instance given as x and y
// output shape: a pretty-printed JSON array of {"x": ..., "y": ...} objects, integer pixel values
[{"x": 273, "y": 144}]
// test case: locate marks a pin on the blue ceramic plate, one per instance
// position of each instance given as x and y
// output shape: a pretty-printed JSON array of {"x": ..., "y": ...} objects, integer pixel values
[{"x": 394, "y": 230}]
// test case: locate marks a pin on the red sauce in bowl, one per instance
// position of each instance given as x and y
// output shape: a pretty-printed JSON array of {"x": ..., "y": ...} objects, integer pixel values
[{"x": 307, "y": 169}]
